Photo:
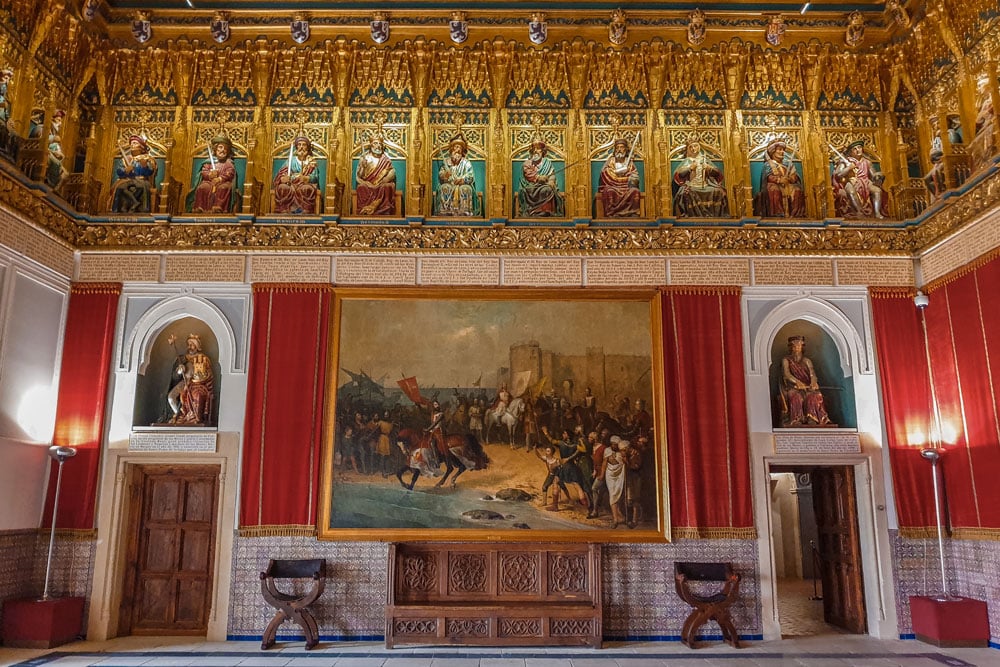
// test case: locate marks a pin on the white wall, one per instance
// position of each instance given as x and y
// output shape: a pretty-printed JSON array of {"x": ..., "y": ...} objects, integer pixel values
[{"x": 33, "y": 302}]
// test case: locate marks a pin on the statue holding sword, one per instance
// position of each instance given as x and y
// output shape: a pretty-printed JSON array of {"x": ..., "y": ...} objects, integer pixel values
[{"x": 619, "y": 183}]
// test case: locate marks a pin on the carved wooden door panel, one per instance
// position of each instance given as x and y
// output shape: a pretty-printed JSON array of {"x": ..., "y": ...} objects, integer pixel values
[
  {"x": 839, "y": 548},
  {"x": 171, "y": 553}
]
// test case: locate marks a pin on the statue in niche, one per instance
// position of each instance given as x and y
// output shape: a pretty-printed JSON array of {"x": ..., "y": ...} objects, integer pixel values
[
  {"x": 857, "y": 190},
  {"x": 55, "y": 172},
  {"x": 700, "y": 193},
  {"x": 538, "y": 194},
  {"x": 133, "y": 191},
  {"x": 619, "y": 183},
  {"x": 456, "y": 193},
  {"x": 376, "y": 180},
  {"x": 296, "y": 185},
  {"x": 192, "y": 385},
  {"x": 802, "y": 402},
  {"x": 6, "y": 126},
  {"x": 781, "y": 194},
  {"x": 217, "y": 190}
]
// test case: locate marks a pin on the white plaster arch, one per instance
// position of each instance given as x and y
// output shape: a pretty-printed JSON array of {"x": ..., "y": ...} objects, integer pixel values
[
  {"x": 139, "y": 341},
  {"x": 822, "y": 313}
]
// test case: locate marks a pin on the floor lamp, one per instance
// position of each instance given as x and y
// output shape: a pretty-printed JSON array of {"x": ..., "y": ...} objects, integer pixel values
[
  {"x": 46, "y": 621},
  {"x": 60, "y": 454},
  {"x": 934, "y": 456}
]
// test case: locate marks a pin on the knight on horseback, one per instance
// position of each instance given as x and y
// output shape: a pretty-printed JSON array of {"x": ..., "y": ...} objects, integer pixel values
[{"x": 436, "y": 429}]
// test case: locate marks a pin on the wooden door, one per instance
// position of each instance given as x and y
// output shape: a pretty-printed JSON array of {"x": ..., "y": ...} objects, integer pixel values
[
  {"x": 839, "y": 548},
  {"x": 171, "y": 550}
]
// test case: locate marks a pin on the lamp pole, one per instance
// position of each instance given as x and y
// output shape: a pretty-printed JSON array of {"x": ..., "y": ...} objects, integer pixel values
[
  {"x": 60, "y": 454},
  {"x": 934, "y": 455}
]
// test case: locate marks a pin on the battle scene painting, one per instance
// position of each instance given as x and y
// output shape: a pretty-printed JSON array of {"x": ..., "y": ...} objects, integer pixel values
[{"x": 501, "y": 414}]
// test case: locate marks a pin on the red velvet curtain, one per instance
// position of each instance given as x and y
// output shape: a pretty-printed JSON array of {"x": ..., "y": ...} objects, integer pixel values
[
  {"x": 962, "y": 342},
  {"x": 963, "y": 333},
  {"x": 82, "y": 401},
  {"x": 284, "y": 420},
  {"x": 907, "y": 402},
  {"x": 707, "y": 432}
]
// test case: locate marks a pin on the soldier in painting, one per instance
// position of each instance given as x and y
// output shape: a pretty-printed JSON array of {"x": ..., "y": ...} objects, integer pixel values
[
  {"x": 216, "y": 190},
  {"x": 296, "y": 185},
  {"x": 133, "y": 191},
  {"x": 376, "y": 180},
  {"x": 700, "y": 193},
  {"x": 619, "y": 184},
  {"x": 456, "y": 193}
]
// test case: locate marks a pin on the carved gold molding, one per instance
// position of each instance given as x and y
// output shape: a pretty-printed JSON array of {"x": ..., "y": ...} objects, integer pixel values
[{"x": 37, "y": 209}]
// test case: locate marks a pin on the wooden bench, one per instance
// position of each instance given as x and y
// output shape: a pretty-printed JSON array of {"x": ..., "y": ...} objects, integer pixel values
[{"x": 494, "y": 594}]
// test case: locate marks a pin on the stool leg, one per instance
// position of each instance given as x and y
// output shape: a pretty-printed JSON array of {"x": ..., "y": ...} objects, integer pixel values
[
  {"x": 308, "y": 623},
  {"x": 272, "y": 629},
  {"x": 728, "y": 629}
]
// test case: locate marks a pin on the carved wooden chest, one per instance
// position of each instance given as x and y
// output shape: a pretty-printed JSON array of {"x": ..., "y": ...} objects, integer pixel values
[{"x": 482, "y": 594}]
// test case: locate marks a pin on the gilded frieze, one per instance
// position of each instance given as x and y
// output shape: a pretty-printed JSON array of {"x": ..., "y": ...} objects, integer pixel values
[
  {"x": 539, "y": 79},
  {"x": 460, "y": 78},
  {"x": 304, "y": 77},
  {"x": 64, "y": 49},
  {"x": 382, "y": 78},
  {"x": 224, "y": 77},
  {"x": 617, "y": 80},
  {"x": 144, "y": 78},
  {"x": 850, "y": 81},
  {"x": 773, "y": 81},
  {"x": 19, "y": 18},
  {"x": 693, "y": 80}
]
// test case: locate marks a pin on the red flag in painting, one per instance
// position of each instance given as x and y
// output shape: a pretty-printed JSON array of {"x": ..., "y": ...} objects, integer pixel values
[{"x": 412, "y": 391}]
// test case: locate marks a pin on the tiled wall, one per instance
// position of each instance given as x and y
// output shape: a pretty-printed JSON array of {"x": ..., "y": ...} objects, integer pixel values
[
  {"x": 972, "y": 568},
  {"x": 639, "y": 597},
  {"x": 17, "y": 549}
]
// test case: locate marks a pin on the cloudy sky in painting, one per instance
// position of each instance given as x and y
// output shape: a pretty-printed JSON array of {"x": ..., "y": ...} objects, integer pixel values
[{"x": 451, "y": 342}]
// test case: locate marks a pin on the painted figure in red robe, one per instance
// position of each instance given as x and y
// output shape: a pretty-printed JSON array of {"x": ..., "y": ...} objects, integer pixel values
[
  {"x": 216, "y": 190},
  {"x": 619, "y": 185},
  {"x": 376, "y": 181}
]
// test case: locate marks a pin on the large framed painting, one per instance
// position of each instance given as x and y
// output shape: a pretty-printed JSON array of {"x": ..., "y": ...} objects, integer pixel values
[{"x": 515, "y": 415}]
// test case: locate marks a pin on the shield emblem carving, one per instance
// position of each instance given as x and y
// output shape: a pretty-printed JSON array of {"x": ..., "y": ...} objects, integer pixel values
[
  {"x": 90, "y": 9},
  {"x": 220, "y": 29},
  {"x": 538, "y": 31},
  {"x": 775, "y": 31},
  {"x": 459, "y": 30},
  {"x": 300, "y": 30},
  {"x": 142, "y": 29},
  {"x": 380, "y": 30}
]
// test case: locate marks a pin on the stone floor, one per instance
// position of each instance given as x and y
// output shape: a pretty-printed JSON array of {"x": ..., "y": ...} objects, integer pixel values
[
  {"x": 799, "y": 615},
  {"x": 815, "y": 651}
]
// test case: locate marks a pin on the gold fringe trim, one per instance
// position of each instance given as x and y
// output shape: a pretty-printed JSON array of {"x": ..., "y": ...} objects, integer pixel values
[
  {"x": 291, "y": 287},
  {"x": 892, "y": 292},
  {"x": 95, "y": 288},
  {"x": 710, "y": 290},
  {"x": 289, "y": 530},
  {"x": 971, "y": 534},
  {"x": 962, "y": 271},
  {"x": 18, "y": 532},
  {"x": 693, "y": 533},
  {"x": 71, "y": 534}
]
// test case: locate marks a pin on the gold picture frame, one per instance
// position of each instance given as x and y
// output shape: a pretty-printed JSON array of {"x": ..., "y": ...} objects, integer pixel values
[{"x": 442, "y": 405}]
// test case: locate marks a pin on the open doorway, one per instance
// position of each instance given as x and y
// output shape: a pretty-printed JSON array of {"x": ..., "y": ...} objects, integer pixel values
[{"x": 817, "y": 553}]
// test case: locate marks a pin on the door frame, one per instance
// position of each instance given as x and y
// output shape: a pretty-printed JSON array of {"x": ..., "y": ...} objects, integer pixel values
[
  {"x": 113, "y": 522},
  {"x": 138, "y": 473},
  {"x": 876, "y": 563}
]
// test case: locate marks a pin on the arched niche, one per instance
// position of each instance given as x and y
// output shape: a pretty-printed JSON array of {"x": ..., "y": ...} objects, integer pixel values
[
  {"x": 152, "y": 358},
  {"x": 832, "y": 343}
]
